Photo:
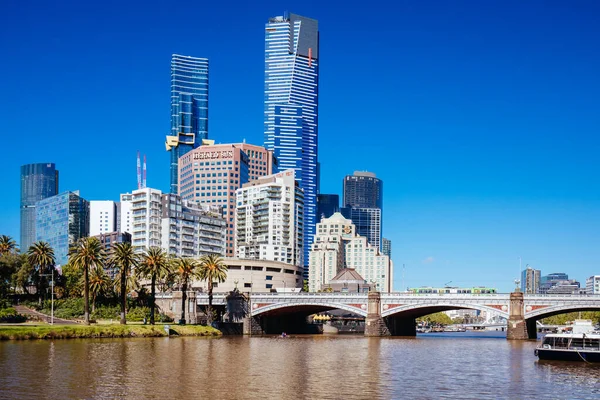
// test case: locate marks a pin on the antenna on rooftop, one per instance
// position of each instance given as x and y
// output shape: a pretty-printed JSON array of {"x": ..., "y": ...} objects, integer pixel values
[
  {"x": 144, "y": 176},
  {"x": 139, "y": 172}
]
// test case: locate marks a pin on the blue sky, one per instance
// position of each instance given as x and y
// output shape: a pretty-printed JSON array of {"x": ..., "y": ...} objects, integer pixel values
[{"x": 482, "y": 118}]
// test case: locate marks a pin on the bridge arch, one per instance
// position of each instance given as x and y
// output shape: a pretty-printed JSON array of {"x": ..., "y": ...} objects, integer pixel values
[
  {"x": 549, "y": 311},
  {"x": 306, "y": 307},
  {"x": 420, "y": 310}
]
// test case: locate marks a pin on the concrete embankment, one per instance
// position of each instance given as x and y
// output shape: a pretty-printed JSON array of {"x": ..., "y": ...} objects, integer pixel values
[{"x": 27, "y": 332}]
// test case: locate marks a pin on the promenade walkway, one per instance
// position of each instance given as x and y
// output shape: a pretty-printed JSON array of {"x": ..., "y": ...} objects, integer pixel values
[{"x": 42, "y": 317}]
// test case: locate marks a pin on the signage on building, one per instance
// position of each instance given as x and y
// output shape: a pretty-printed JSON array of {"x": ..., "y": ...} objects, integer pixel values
[{"x": 209, "y": 155}]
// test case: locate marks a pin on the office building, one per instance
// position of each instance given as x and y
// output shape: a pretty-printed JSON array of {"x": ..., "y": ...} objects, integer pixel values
[
  {"x": 291, "y": 105},
  {"x": 363, "y": 190},
  {"x": 551, "y": 280},
  {"x": 592, "y": 285},
  {"x": 530, "y": 280},
  {"x": 60, "y": 221},
  {"x": 189, "y": 109},
  {"x": 327, "y": 205},
  {"x": 103, "y": 217},
  {"x": 108, "y": 240},
  {"x": 337, "y": 246},
  {"x": 367, "y": 222},
  {"x": 269, "y": 219},
  {"x": 190, "y": 229},
  {"x": 212, "y": 173},
  {"x": 38, "y": 182},
  {"x": 386, "y": 247},
  {"x": 570, "y": 286}
]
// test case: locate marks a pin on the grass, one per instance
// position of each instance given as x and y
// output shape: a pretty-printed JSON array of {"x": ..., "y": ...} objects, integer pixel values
[{"x": 25, "y": 332}]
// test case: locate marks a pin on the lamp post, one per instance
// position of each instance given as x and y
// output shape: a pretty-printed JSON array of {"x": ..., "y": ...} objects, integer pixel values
[
  {"x": 284, "y": 287},
  {"x": 52, "y": 295}
]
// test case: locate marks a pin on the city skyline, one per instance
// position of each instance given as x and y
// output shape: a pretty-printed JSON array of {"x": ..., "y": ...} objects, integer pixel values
[{"x": 488, "y": 161}]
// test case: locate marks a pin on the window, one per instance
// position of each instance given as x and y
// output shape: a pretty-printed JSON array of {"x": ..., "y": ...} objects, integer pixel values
[{"x": 269, "y": 277}]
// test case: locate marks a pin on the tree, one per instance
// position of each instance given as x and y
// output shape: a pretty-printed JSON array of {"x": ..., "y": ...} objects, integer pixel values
[
  {"x": 212, "y": 269},
  {"x": 187, "y": 269},
  {"x": 123, "y": 258},
  {"x": 85, "y": 254},
  {"x": 41, "y": 255},
  {"x": 100, "y": 283},
  {"x": 154, "y": 265},
  {"x": 7, "y": 244},
  {"x": 438, "y": 318},
  {"x": 10, "y": 264}
]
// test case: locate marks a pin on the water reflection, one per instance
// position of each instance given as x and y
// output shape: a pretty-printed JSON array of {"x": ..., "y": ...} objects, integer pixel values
[{"x": 305, "y": 367}]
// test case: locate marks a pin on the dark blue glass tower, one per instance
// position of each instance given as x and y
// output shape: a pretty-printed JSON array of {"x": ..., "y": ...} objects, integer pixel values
[
  {"x": 38, "y": 182},
  {"x": 189, "y": 109},
  {"x": 327, "y": 205},
  {"x": 291, "y": 106}
]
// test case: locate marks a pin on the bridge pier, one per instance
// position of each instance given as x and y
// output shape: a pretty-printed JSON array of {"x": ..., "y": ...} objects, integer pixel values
[
  {"x": 406, "y": 326},
  {"x": 374, "y": 323},
  {"x": 531, "y": 328},
  {"x": 516, "y": 327}
]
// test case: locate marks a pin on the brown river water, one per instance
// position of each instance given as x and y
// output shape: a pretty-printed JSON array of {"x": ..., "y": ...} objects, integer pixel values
[{"x": 447, "y": 365}]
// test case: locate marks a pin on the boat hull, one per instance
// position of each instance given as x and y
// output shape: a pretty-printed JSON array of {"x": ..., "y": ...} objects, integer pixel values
[{"x": 569, "y": 355}]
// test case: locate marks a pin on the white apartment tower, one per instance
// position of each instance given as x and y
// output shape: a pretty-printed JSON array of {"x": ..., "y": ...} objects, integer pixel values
[
  {"x": 103, "y": 217},
  {"x": 592, "y": 285},
  {"x": 337, "y": 246},
  {"x": 125, "y": 219},
  {"x": 146, "y": 215},
  {"x": 269, "y": 219}
]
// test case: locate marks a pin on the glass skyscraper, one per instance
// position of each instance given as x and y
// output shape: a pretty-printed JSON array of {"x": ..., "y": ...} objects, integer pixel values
[
  {"x": 189, "y": 109},
  {"x": 60, "y": 221},
  {"x": 362, "y": 203},
  {"x": 291, "y": 105},
  {"x": 38, "y": 181},
  {"x": 327, "y": 205}
]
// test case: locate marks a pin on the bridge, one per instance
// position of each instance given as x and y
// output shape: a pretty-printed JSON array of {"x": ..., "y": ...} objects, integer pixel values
[{"x": 395, "y": 313}]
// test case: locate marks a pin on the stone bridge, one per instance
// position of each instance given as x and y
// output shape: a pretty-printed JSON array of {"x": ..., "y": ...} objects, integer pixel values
[{"x": 395, "y": 313}]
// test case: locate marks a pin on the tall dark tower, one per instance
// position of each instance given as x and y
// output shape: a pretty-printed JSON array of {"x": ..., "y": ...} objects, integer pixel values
[
  {"x": 38, "y": 182},
  {"x": 362, "y": 203}
]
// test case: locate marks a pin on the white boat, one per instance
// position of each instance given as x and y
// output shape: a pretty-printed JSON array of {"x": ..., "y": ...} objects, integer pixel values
[{"x": 581, "y": 344}]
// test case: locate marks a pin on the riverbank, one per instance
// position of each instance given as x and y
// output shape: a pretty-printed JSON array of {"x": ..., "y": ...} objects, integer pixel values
[{"x": 28, "y": 332}]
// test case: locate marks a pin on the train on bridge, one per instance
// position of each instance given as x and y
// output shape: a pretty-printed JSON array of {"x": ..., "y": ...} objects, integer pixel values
[{"x": 453, "y": 290}]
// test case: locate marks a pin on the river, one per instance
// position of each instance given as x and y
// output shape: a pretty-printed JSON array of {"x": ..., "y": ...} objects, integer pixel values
[{"x": 446, "y": 365}]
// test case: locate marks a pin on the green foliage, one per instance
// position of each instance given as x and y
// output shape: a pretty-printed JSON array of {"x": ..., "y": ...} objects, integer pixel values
[
  {"x": 436, "y": 319},
  {"x": 67, "y": 308},
  {"x": 563, "y": 319},
  {"x": 10, "y": 315},
  {"x": 106, "y": 312},
  {"x": 138, "y": 314},
  {"x": 4, "y": 304},
  {"x": 73, "y": 280}
]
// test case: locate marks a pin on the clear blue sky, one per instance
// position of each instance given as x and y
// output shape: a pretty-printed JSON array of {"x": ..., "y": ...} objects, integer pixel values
[{"x": 482, "y": 118}]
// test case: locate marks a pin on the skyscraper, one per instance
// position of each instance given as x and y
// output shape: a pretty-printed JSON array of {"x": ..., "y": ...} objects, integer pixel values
[
  {"x": 61, "y": 221},
  {"x": 291, "y": 105},
  {"x": 38, "y": 182},
  {"x": 530, "y": 280},
  {"x": 362, "y": 203},
  {"x": 189, "y": 108},
  {"x": 327, "y": 205}
]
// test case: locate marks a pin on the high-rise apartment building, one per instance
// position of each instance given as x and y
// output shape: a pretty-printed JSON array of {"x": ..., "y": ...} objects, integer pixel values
[
  {"x": 60, "y": 221},
  {"x": 530, "y": 280},
  {"x": 212, "y": 173},
  {"x": 38, "y": 182},
  {"x": 103, "y": 217},
  {"x": 190, "y": 229},
  {"x": 291, "y": 105},
  {"x": 337, "y": 246},
  {"x": 124, "y": 218},
  {"x": 362, "y": 203},
  {"x": 363, "y": 190},
  {"x": 327, "y": 205},
  {"x": 269, "y": 219},
  {"x": 386, "y": 247},
  {"x": 189, "y": 109},
  {"x": 146, "y": 219},
  {"x": 592, "y": 285}
]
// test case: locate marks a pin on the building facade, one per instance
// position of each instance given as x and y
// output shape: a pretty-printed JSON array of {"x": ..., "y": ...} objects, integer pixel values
[
  {"x": 291, "y": 105},
  {"x": 363, "y": 190},
  {"x": 103, "y": 217},
  {"x": 269, "y": 219},
  {"x": 124, "y": 217},
  {"x": 592, "y": 285},
  {"x": 190, "y": 229},
  {"x": 530, "y": 280},
  {"x": 386, "y": 247},
  {"x": 38, "y": 182},
  {"x": 212, "y": 173},
  {"x": 367, "y": 222},
  {"x": 189, "y": 109},
  {"x": 338, "y": 246},
  {"x": 146, "y": 219},
  {"x": 60, "y": 221},
  {"x": 327, "y": 205},
  {"x": 108, "y": 240},
  {"x": 551, "y": 280}
]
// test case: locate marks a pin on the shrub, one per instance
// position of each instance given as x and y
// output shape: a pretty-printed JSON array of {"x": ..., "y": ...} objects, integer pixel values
[
  {"x": 4, "y": 304},
  {"x": 10, "y": 315},
  {"x": 106, "y": 312},
  {"x": 138, "y": 314}
]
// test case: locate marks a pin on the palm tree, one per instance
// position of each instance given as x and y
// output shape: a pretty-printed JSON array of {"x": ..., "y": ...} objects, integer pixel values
[
  {"x": 7, "y": 244},
  {"x": 100, "y": 282},
  {"x": 187, "y": 269},
  {"x": 41, "y": 255},
  {"x": 124, "y": 259},
  {"x": 212, "y": 269},
  {"x": 85, "y": 254},
  {"x": 155, "y": 264}
]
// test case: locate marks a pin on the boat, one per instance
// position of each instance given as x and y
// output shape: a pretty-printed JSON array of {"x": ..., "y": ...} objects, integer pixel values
[{"x": 582, "y": 343}]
